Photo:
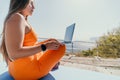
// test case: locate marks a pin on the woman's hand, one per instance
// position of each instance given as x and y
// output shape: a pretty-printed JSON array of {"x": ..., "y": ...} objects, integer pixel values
[{"x": 52, "y": 44}]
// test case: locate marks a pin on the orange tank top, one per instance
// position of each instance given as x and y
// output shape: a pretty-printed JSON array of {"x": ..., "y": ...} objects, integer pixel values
[
  {"x": 30, "y": 38},
  {"x": 26, "y": 65}
]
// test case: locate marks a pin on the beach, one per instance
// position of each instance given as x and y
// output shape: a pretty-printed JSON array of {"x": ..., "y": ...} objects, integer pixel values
[{"x": 97, "y": 64}]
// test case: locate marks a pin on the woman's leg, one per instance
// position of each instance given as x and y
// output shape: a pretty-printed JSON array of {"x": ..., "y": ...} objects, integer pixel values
[
  {"x": 6, "y": 76},
  {"x": 49, "y": 58},
  {"x": 56, "y": 67}
]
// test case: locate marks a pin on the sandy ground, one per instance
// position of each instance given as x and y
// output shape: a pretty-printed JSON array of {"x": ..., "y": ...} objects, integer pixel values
[{"x": 107, "y": 66}]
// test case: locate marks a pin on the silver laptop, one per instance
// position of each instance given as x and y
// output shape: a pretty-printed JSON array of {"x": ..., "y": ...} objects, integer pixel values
[{"x": 69, "y": 33}]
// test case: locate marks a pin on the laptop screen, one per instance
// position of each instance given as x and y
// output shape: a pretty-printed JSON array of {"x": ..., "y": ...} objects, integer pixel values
[{"x": 69, "y": 33}]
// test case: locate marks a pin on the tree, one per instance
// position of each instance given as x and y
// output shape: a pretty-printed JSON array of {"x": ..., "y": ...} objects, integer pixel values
[{"x": 109, "y": 45}]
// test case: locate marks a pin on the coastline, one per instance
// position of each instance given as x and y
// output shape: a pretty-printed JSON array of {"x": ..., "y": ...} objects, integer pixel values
[{"x": 97, "y": 64}]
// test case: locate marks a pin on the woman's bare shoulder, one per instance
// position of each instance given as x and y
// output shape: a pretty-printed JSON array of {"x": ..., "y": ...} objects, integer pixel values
[{"x": 15, "y": 18}]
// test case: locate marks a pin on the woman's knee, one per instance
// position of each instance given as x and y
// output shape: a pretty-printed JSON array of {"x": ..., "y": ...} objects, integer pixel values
[{"x": 62, "y": 49}]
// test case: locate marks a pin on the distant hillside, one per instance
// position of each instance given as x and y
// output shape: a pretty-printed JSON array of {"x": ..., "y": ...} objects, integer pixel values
[{"x": 94, "y": 39}]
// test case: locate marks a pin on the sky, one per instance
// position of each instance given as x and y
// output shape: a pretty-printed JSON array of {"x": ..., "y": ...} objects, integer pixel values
[{"x": 93, "y": 18}]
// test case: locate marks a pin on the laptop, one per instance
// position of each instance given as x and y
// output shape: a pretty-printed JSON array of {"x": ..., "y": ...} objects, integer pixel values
[{"x": 69, "y": 34}]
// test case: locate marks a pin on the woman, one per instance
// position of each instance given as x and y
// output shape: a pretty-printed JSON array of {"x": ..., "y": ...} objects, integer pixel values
[{"x": 27, "y": 59}]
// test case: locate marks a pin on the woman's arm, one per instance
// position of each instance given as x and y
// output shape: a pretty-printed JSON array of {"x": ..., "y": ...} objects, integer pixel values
[{"x": 14, "y": 36}]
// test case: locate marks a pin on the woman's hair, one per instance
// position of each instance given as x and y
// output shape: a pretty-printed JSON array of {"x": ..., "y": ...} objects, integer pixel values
[{"x": 15, "y": 7}]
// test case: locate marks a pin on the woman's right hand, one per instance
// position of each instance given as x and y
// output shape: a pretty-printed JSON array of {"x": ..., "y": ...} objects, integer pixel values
[{"x": 52, "y": 45}]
